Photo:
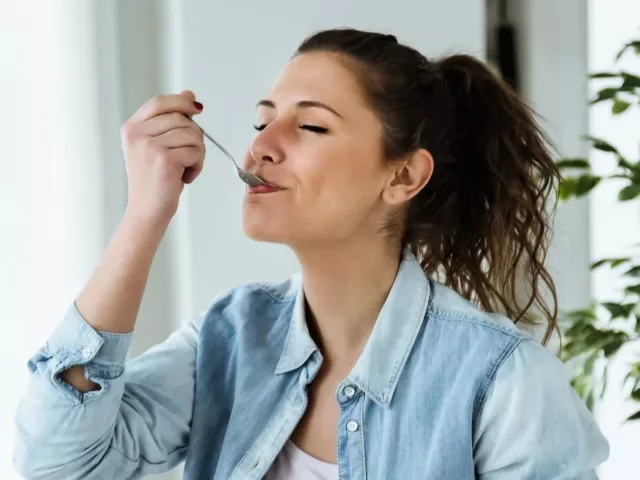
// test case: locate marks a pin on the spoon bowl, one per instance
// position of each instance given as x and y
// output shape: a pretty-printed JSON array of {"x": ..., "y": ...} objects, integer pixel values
[{"x": 247, "y": 177}]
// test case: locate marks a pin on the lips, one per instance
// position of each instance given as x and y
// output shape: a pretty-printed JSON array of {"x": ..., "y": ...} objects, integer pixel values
[{"x": 266, "y": 188}]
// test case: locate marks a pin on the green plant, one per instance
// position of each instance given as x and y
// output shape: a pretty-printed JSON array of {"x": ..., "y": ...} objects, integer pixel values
[{"x": 595, "y": 334}]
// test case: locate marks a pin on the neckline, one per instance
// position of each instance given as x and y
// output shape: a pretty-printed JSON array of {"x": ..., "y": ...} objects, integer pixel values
[{"x": 310, "y": 458}]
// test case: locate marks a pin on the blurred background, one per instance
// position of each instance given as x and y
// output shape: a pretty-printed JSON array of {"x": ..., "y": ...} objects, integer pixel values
[{"x": 72, "y": 71}]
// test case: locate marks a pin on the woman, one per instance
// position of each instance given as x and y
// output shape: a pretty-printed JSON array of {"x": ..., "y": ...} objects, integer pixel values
[{"x": 386, "y": 171}]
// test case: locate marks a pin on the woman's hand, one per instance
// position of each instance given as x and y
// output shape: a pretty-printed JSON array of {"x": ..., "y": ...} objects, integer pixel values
[{"x": 164, "y": 150}]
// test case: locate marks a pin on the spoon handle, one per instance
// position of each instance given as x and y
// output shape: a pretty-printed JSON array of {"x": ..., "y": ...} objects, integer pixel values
[{"x": 224, "y": 150}]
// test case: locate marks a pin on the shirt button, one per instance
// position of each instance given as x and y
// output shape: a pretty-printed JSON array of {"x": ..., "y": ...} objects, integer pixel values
[
  {"x": 86, "y": 352},
  {"x": 352, "y": 426},
  {"x": 349, "y": 391}
]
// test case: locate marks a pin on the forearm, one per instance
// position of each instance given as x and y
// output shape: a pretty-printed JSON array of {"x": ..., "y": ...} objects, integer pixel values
[{"x": 111, "y": 298}]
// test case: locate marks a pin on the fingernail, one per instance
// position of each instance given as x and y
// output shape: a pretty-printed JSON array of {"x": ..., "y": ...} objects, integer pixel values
[{"x": 198, "y": 105}]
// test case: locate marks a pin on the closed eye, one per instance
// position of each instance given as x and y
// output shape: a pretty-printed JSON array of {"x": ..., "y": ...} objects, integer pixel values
[
  {"x": 314, "y": 129},
  {"x": 311, "y": 128}
]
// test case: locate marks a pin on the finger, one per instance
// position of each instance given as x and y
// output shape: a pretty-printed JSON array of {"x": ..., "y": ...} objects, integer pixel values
[
  {"x": 181, "y": 137},
  {"x": 189, "y": 95},
  {"x": 191, "y": 173},
  {"x": 161, "y": 124},
  {"x": 162, "y": 104},
  {"x": 186, "y": 157}
]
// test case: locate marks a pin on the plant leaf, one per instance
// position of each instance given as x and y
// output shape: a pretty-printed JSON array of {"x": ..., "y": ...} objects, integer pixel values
[
  {"x": 618, "y": 310},
  {"x": 618, "y": 262},
  {"x": 635, "y": 370},
  {"x": 635, "y": 416},
  {"x": 629, "y": 192},
  {"x": 594, "y": 339},
  {"x": 579, "y": 384},
  {"x": 584, "y": 314},
  {"x": 589, "y": 400},
  {"x": 579, "y": 329},
  {"x": 633, "y": 289},
  {"x": 635, "y": 44},
  {"x": 612, "y": 348},
  {"x": 613, "y": 262},
  {"x": 586, "y": 184},
  {"x": 567, "y": 188},
  {"x": 619, "y": 106},
  {"x": 573, "y": 163},
  {"x": 604, "y": 75},
  {"x": 590, "y": 362},
  {"x": 575, "y": 348},
  {"x": 633, "y": 271},
  {"x": 605, "y": 94},
  {"x": 601, "y": 145},
  {"x": 630, "y": 81}
]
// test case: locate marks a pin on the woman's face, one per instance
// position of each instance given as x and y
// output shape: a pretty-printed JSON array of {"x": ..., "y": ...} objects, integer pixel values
[{"x": 320, "y": 145}]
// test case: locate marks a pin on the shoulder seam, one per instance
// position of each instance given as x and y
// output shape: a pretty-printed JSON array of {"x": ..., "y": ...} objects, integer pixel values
[
  {"x": 501, "y": 360},
  {"x": 447, "y": 316}
]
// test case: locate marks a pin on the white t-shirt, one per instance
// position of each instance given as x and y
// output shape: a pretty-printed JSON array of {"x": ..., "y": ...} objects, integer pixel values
[{"x": 295, "y": 464}]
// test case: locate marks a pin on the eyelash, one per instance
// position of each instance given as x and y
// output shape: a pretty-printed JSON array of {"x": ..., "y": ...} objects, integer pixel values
[{"x": 312, "y": 128}]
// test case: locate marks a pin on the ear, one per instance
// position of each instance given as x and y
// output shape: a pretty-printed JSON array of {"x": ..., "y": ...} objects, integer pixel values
[{"x": 408, "y": 178}]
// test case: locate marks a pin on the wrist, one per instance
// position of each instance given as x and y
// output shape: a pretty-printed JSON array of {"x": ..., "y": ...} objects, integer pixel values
[{"x": 145, "y": 226}]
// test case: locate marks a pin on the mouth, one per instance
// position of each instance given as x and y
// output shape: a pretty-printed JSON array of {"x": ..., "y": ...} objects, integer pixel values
[{"x": 265, "y": 188}]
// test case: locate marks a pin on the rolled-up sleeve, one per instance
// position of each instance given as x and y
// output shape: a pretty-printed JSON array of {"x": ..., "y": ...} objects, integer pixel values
[
  {"x": 75, "y": 342},
  {"x": 138, "y": 421},
  {"x": 534, "y": 425}
]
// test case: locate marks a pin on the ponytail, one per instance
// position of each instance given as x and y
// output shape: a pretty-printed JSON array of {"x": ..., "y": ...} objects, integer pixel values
[
  {"x": 481, "y": 224},
  {"x": 482, "y": 221}
]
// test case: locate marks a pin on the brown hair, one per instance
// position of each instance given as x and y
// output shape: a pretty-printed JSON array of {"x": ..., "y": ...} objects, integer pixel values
[{"x": 481, "y": 223}]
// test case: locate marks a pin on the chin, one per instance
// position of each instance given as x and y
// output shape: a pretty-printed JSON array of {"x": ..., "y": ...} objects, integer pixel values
[
  {"x": 264, "y": 223},
  {"x": 263, "y": 235},
  {"x": 262, "y": 229}
]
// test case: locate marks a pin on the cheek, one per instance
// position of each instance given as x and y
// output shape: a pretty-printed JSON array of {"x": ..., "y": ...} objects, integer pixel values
[
  {"x": 327, "y": 180},
  {"x": 342, "y": 189}
]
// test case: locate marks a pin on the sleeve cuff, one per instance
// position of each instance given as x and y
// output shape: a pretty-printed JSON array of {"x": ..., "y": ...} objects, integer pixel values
[{"x": 80, "y": 344}]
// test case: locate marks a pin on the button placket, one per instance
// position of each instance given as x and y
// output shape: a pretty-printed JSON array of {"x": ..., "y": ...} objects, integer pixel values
[{"x": 350, "y": 437}]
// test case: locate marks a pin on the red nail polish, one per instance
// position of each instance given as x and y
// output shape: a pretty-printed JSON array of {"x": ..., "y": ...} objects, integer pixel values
[{"x": 198, "y": 105}]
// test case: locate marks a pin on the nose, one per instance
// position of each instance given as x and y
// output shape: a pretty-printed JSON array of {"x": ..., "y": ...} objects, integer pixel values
[{"x": 265, "y": 148}]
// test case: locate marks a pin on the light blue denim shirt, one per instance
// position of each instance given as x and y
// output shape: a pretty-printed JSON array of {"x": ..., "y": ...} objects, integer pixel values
[{"x": 442, "y": 390}]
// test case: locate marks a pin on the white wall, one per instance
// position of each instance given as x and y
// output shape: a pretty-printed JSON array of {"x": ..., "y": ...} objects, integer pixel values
[
  {"x": 615, "y": 227},
  {"x": 63, "y": 104},
  {"x": 553, "y": 62},
  {"x": 139, "y": 41},
  {"x": 18, "y": 211}
]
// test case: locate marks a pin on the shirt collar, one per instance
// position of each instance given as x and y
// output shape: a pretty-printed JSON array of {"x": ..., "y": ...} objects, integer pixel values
[
  {"x": 298, "y": 345},
  {"x": 378, "y": 369}
]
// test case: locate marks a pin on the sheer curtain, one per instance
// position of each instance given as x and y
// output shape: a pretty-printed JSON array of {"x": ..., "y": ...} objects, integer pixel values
[
  {"x": 52, "y": 179},
  {"x": 71, "y": 72}
]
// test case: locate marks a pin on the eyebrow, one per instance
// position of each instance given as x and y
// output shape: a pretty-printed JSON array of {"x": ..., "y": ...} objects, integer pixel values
[{"x": 301, "y": 104}]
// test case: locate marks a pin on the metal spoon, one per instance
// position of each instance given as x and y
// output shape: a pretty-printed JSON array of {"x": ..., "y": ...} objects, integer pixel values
[{"x": 247, "y": 177}]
